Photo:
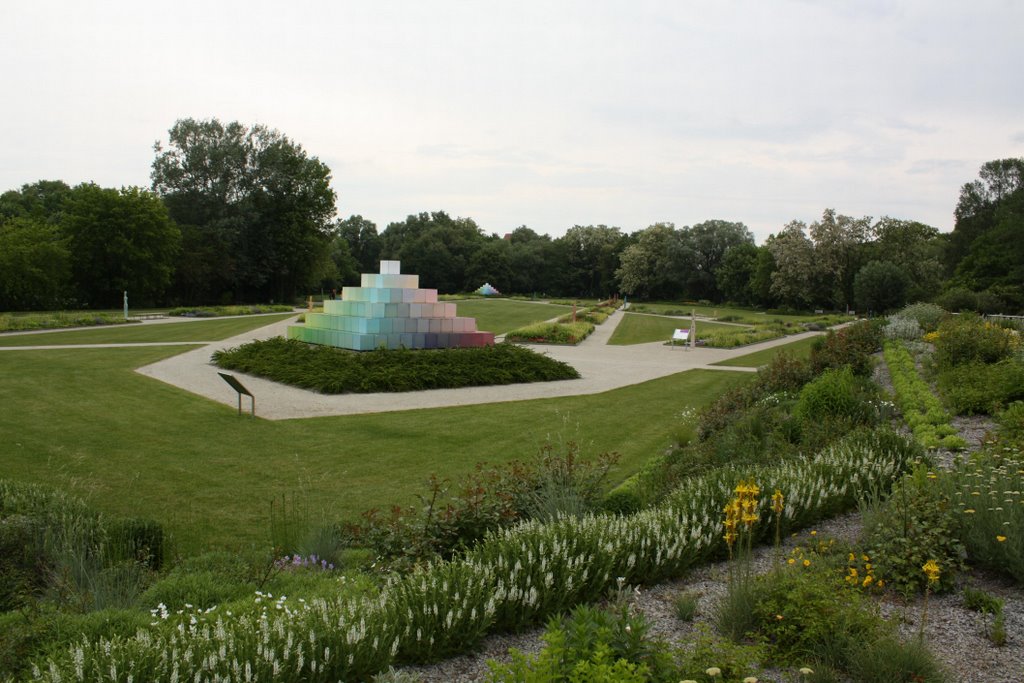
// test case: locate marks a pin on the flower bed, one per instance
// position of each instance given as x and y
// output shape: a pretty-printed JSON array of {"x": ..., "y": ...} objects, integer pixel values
[
  {"x": 515, "y": 578},
  {"x": 921, "y": 409},
  {"x": 552, "y": 333}
]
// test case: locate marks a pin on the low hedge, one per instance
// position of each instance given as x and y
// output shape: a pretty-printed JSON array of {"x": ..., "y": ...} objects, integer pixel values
[
  {"x": 338, "y": 371},
  {"x": 221, "y": 311},
  {"x": 552, "y": 333}
]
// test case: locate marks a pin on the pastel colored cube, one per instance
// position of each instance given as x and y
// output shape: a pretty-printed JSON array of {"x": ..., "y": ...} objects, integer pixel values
[{"x": 389, "y": 310}]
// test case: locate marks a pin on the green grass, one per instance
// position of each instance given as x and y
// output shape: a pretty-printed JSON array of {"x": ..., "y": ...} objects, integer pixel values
[
  {"x": 738, "y": 315},
  {"x": 84, "y": 421},
  {"x": 501, "y": 315},
  {"x": 199, "y": 330},
  {"x": 637, "y": 328},
  {"x": 800, "y": 349}
]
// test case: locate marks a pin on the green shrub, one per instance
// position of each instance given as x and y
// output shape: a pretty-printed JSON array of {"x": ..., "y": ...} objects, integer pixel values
[
  {"x": 965, "y": 339},
  {"x": 958, "y": 299},
  {"x": 927, "y": 316},
  {"x": 201, "y": 589},
  {"x": 215, "y": 311},
  {"x": 336, "y": 371},
  {"x": 980, "y": 601},
  {"x": 1011, "y": 422},
  {"x": 685, "y": 605},
  {"x": 851, "y": 345},
  {"x": 917, "y": 523},
  {"x": 989, "y": 512},
  {"x": 889, "y": 659},
  {"x": 836, "y": 394},
  {"x": 979, "y": 388},
  {"x": 52, "y": 321},
  {"x": 808, "y": 611},
  {"x": 552, "y": 333},
  {"x": 901, "y": 328},
  {"x": 591, "y": 644}
]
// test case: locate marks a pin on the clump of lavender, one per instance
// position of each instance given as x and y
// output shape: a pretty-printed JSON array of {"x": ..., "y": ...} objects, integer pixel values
[{"x": 296, "y": 562}]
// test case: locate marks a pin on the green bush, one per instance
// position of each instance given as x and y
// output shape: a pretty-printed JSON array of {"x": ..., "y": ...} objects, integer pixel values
[
  {"x": 591, "y": 644},
  {"x": 989, "y": 510},
  {"x": 52, "y": 321},
  {"x": 979, "y": 388},
  {"x": 337, "y": 371},
  {"x": 890, "y": 659},
  {"x": 851, "y": 345},
  {"x": 552, "y": 333},
  {"x": 917, "y": 523},
  {"x": 216, "y": 311},
  {"x": 836, "y": 394},
  {"x": 927, "y": 316},
  {"x": 808, "y": 611},
  {"x": 1011, "y": 422},
  {"x": 966, "y": 338}
]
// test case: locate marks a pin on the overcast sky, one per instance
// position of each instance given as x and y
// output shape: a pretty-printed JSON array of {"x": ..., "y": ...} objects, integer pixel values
[{"x": 546, "y": 114}]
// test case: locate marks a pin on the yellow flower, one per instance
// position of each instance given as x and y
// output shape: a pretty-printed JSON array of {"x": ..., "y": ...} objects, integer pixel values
[
  {"x": 791, "y": 561},
  {"x": 713, "y": 671},
  {"x": 814, "y": 533},
  {"x": 806, "y": 670},
  {"x": 867, "y": 581},
  {"x": 880, "y": 583},
  {"x": 807, "y": 563},
  {"x": 1001, "y": 539},
  {"x": 931, "y": 570},
  {"x": 779, "y": 617},
  {"x": 969, "y": 511},
  {"x": 777, "y": 501}
]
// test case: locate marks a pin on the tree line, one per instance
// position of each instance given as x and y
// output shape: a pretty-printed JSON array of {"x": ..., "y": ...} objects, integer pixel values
[{"x": 244, "y": 214}]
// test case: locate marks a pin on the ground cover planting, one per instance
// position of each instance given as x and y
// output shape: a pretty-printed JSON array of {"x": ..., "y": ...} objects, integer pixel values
[
  {"x": 798, "y": 349},
  {"x": 199, "y": 330},
  {"x": 635, "y": 328},
  {"x": 337, "y": 371},
  {"x": 447, "y": 606},
  {"x": 218, "y": 311},
  {"x": 570, "y": 328},
  {"x": 16, "y": 322}
]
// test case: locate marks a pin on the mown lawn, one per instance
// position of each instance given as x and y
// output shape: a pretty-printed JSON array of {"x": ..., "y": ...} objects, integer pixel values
[
  {"x": 641, "y": 328},
  {"x": 501, "y": 315},
  {"x": 83, "y": 420},
  {"x": 189, "y": 330},
  {"x": 800, "y": 349}
]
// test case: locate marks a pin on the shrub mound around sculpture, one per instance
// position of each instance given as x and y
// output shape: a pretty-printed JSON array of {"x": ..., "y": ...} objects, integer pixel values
[{"x": 338, "y": 371}]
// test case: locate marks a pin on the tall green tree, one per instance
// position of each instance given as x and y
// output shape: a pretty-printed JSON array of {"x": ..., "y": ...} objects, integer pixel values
[
  {"x": 839, "y": 252},
  {"x": 793, "y": 280},
  {"x": 363, "y": 241},
  {"x": 979, "y": 200},
  {"x": 709, "y": 241},
  {"x": 735, "y": 275},
  {"x": 119, "y": 240},
  {"x": 35, "y": 265},
  {"x": 591, "y": 254},
  {"x": 434, "y": 246},
  {"x": 880, "y": 287},
  {"x": 916, "y": 248},
  {"x": 263, "y": 204},
  {"x": 42, "y": 200},
  {"x": 655, "y": 266}
]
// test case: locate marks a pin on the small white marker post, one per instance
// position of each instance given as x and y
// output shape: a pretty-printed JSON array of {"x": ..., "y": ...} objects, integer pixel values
[
  {"x": 693, "y": 328},
  {"x": 126, "y": 304}
]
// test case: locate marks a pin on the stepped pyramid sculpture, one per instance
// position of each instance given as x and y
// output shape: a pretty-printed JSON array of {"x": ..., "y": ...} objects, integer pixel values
[
  {"x": 487, "y": 289},
  {"x": 389, "y": 310}
]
